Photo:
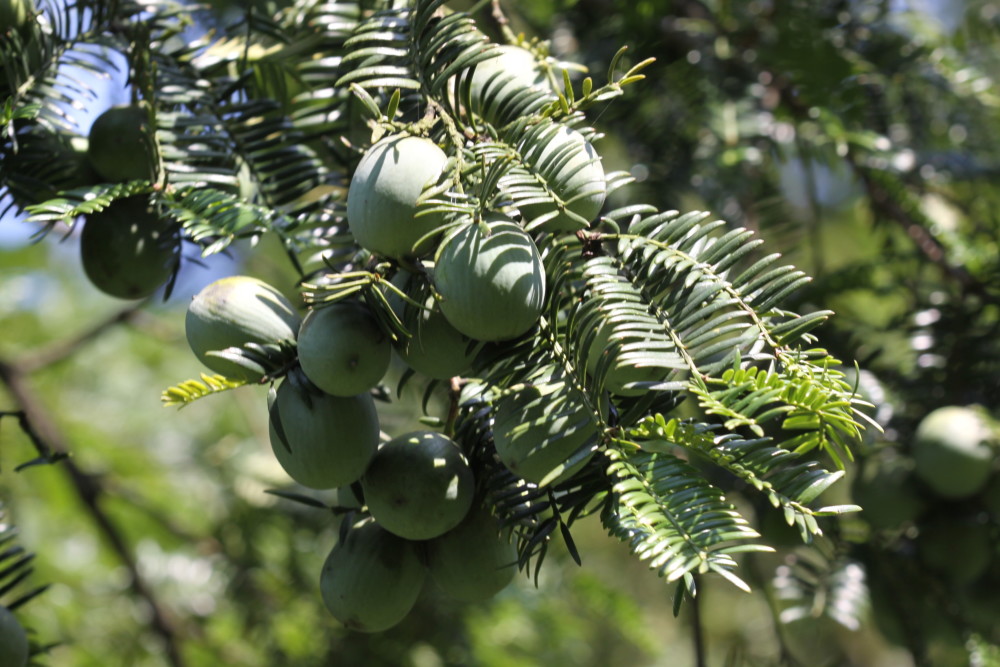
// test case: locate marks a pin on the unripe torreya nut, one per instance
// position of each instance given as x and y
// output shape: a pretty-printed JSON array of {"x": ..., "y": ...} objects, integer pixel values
[
  {"x": 572, "y": 169},
  {"x": 491, "y": 280},
  {"x": 497, "y": 80},
  {"x": 46, "y": 162},
  {"x": 623, "y": 364},
  {"x": 371, "y": 580},
  {"x": 435, "y": 347},
  {"x": 382, "y": 198},
  {"x": 121, "y": 144},
  {"x": 952, "y": 450},
  {"x": 956, "y": 547},
  {"x": 235, "y": 311},
  {"x": 322, "y": 441},
  {"x": 14, "y": 14},
  {"x": 885, "y": 491},
  {"x": 342, "y": 349},
  {"x": 419, "y": 485},
  {"x": 535, "y": 434},
  {"x": 14, "y": 645},
  {"x": 128, "y": 250},
  {"x": 473, "y": 561}
]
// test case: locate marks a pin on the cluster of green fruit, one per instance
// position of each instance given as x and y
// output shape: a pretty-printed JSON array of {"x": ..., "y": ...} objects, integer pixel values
[
  {"x": 418, "y": 490},
  {"x": 128, "y": 250},
  {"x": 939, "y": 501},
  {"x": 455, "y": 286}
]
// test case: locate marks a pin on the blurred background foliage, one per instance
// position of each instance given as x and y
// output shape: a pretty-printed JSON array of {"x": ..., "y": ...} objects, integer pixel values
[{"x": 858, "y": 137}]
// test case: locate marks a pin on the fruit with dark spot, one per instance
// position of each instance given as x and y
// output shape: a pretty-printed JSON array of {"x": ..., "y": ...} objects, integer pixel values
[
  {"x": 322, "y": 441},
  {"x": 419, "y": 485},
  {"x": 342, "y": 348},
  {"x": 128, "y": 250},
  {"x": 371, "y": 579}
]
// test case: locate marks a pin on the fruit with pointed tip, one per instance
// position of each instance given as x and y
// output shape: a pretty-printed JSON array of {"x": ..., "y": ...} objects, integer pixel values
[
  {"x": 371, "y": 579},
  {"x": 491, "y": 280},
  {"x": 382, "y": 198},
  {"x": 234, "y": 312},
  {"x": 342, "y": 348},
  {"x": 419, "y": 485},
  {"x": 321, "y": 441},
  {"x": 128, "y": 250}
]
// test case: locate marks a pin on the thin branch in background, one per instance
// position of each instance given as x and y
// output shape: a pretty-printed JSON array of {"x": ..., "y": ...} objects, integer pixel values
[
  {"x": 697, "y": 631},
  {"x": 63, "y": 349},
  {"x": 52, "y": 445},
  {"x": 883, "y": 202},
  {"x": 45, "y": 455}
]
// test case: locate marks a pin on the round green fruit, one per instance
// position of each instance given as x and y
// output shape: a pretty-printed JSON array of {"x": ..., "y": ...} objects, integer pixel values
[
  {"x": 122, "y": 146},
  {"x": 14, "y": 647},
  {"x": 46, "y": 162},
  {"x": 434, "y": 348},
  {"x": 342, "y": 349},
  {"x": 14, "y": 14},
  {"x": 234, "y": 312},
  {"x": 958, "y": 548},
  {"x": 128, "y": 251},
  {"x": 322, "y": 441},
  {"x": 382, "y": 198},
  {"x": 371, "y": 580},
  {"x": 885, "y": 491},
  {"x": 491, "y": 281},
  {"x": 572, "y": 169},
  {"x": 419, "y": 485},
  {"x": 496, "y": 81},
  {"x": 536, "y": 434},
  {"x": 624, "y": 355},
  {"x": 953, "y": 453},
  {"x": 473, "y": 561}
]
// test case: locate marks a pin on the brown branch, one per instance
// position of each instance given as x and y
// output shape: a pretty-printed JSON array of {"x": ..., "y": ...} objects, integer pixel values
[
  {"x": 65, "y": 348},
  {"x": 883, "y": 202},
  {"x": 51, "y": 443}
]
